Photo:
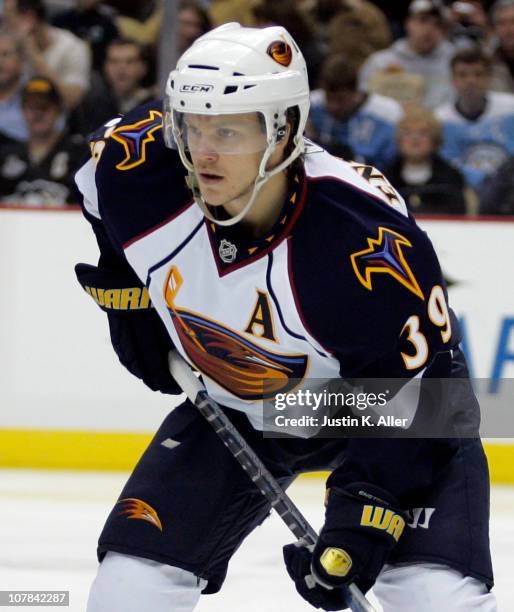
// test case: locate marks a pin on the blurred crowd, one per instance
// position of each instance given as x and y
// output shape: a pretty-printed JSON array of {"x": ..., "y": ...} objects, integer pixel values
[{"x": 423, "y": 90}]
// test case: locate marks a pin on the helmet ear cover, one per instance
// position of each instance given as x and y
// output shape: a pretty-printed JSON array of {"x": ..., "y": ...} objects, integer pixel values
[{"x": 293, "y": 121}]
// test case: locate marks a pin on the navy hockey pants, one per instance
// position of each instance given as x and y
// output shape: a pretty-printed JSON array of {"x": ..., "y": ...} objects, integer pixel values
[{"x": 189, "y": 504}]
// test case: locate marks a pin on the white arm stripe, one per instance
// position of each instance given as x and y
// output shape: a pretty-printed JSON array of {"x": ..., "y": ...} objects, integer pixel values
[
  {"x": 404, "y": 405},
  {"x": 85, "y": 180},
  {"x": 321, "y": 164}
]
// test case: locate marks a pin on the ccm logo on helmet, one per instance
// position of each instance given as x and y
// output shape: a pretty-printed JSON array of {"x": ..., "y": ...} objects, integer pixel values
[{"x": 197, "y": 88}]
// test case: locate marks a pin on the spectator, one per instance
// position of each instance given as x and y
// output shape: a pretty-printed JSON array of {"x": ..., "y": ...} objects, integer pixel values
[
  {"x": 223, "y": 11},
  {"x": 139, "y": 10},
  {"x": 395, "y": 13},
  {"x": 478, "y": 128},
  {"x": 40, "y": 171},
  {"x": 286, "y": 14},
  {"x": 427, "y": 182},
  {"x": 322, "y": 11},
  {"x": 343, "y": 115},
  {"x": 469, "y": 25},
  {"x": 502, "y": 15},
  {"x": 423, "y": 54},
  {"x": 497, "y": 194},
  {"x": 120, "y": 90},
  {"x": 358, "y": 30},
  {"x": 93, "y": 22},
  {"x": 51, "y": 52},
  {"x": 12, "y": 123},
  {"x": 139, "y": 20},
  {"x": 193, "y": 21}
]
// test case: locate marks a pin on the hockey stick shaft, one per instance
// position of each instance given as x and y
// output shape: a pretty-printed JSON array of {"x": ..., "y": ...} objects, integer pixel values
[{"x": 251, "y": 463}]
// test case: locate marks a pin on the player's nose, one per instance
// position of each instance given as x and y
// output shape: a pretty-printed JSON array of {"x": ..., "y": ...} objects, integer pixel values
[{"x": 207, "y": 154}]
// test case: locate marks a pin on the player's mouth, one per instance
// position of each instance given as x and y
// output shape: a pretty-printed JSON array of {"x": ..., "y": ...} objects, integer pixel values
[{"x": 209, "y": 178}]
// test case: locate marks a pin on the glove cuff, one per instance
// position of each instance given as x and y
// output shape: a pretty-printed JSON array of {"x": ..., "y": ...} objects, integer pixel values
[
  {"x": 115, "y": 291},
  {"x": 363, "y": 508},
  {"x": 362, "y": 526},
  {"x": 364, "y": 492}
]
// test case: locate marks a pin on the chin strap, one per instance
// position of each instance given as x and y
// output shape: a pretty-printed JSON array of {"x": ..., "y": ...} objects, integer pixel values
[{"x": 192, "y": 183}]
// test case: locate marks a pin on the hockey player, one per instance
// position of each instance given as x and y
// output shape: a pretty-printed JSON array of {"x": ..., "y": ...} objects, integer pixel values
[{"x": 286, "y": 264}]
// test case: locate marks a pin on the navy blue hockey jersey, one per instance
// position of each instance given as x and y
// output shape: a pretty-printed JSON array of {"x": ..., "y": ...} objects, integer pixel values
[{"x": 344, "y": 284}]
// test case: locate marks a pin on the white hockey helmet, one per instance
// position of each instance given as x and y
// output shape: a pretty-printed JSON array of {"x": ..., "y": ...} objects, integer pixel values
[{"x": 234, "y": 69}]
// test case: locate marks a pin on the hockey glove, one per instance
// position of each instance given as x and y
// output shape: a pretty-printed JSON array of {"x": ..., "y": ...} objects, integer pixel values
[
  {"x": 137, "y": 333},
  {"x": 361, "y": 528}
]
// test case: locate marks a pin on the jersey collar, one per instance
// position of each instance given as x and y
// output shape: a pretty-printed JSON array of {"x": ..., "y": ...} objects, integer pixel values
[{"x": 231, "y": 249}]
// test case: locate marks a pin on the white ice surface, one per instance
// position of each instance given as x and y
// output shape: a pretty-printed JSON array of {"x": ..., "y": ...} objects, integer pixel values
[{"x": 50, "y": 523}]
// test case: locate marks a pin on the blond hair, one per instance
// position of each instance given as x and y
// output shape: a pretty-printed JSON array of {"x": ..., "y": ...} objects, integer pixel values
[{"x": 419, "y": 117}]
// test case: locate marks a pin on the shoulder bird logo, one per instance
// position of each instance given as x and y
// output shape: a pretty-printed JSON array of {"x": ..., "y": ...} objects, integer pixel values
[
  {"x": 384, "y": 255},
  {"x": 134, "y": 138},
  {"x": 134, "y": 508}
]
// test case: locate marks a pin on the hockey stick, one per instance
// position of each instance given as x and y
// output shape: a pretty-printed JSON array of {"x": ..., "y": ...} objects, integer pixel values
[{"x": 256, "y": 470}]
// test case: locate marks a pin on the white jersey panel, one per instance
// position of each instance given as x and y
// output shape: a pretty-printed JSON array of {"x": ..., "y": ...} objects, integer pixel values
[
  {"x": 148, "y": 250},
  {"x": 85, "y": 180},
  {"x": 219, "y": 322},
  {"x": 320, "y": 164}
]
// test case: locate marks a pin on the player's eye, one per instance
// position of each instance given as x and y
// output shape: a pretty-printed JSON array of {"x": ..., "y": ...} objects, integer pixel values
[
  {"x": 226, "y": 133},
  {"x": 192, "y": 131}
]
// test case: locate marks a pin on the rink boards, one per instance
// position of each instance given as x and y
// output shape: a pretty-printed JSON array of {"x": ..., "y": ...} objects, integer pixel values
[{"x": 65, "y": 401}]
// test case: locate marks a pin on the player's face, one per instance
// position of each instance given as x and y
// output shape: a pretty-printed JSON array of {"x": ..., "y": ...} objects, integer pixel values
[
  {"x": 471, "y": 80},
  {"x": 226, "y": 151}
]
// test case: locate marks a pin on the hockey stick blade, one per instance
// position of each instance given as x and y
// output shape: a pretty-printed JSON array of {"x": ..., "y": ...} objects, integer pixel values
[{"x": 251, "y": 463}]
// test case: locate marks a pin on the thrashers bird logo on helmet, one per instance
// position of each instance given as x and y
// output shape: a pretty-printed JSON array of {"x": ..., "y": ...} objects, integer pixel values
[{"x": 281, "y": 52}]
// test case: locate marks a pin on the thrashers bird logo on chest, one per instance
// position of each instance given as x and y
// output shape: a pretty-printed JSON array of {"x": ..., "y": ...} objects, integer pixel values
[{"x": 230, "y": 359}]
